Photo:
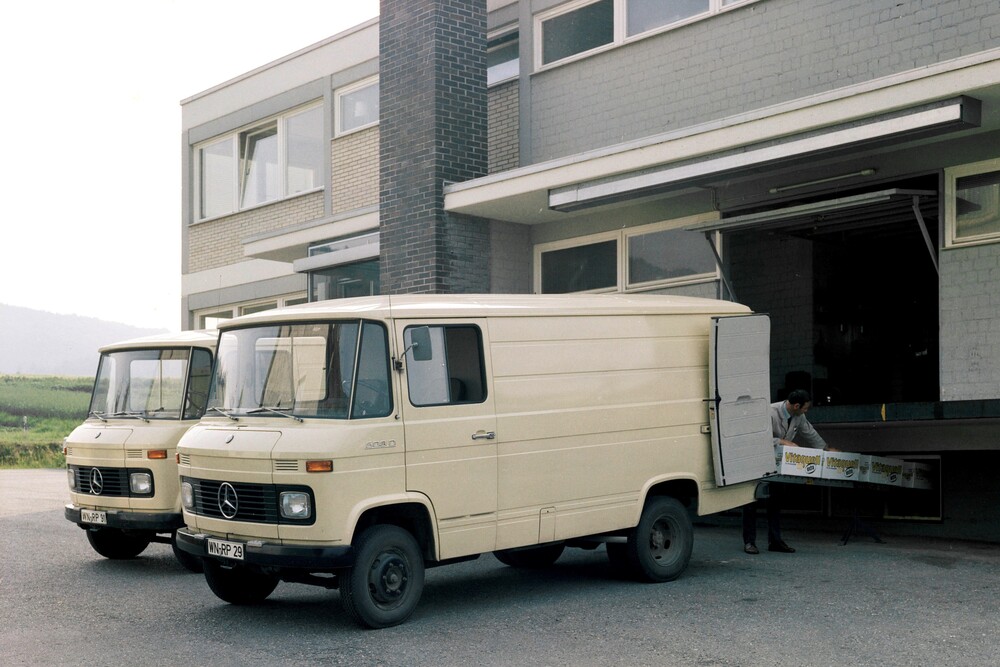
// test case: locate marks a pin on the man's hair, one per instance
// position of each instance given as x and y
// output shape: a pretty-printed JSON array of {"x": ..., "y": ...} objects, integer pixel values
[{"x": 799, "y": 397}]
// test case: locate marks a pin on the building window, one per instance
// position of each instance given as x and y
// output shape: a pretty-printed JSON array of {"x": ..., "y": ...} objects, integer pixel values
[
  {"x": 972, "y": 203},
  {"x": 577, "y": 30},
  {"x": 636, "y": 259},
  {"x": 502, "y": 61},
  {"x": 357, "y": 106},
  {"x": 586, "y": 26},
  {"x": 646, "y": 15},
  {"x": 345, "y": 280},
  {"x": 262, "y": 163},
  {"x": 210, "y": 319}
]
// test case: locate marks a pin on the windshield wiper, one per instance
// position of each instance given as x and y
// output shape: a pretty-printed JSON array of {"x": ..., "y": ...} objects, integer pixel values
[
  {"x": 131, "y": 415},
  {"x": 98, "y": 414},
  {"x": 223, "y": 413},
  {"x": 275, "y": 411}
]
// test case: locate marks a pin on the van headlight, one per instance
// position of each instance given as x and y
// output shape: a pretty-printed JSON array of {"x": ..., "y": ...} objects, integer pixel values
[
  {"x": 187, "y": 495},
  {"x": 71, "y": 478},
  {"x": 295, "y": 505},
  {"x": 140, "y": 483}
]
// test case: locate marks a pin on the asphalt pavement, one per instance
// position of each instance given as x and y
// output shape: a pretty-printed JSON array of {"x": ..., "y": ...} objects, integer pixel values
[{"x": 903, "y": 602}]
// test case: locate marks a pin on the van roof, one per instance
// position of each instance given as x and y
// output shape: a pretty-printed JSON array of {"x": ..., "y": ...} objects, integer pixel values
[
  {"x": 490, "y": 305},
  {"x": 205, "y": 338}
]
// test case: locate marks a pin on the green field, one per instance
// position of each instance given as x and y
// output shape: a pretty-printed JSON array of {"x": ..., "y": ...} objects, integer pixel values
[{"x": 36, "y": 413}]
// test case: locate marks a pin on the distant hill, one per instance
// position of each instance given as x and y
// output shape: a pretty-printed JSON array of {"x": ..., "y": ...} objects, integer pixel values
[{"x": 35, "y": 342}]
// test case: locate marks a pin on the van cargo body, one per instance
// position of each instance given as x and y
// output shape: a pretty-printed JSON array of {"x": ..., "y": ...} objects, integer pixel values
[
  {"x": 351, "y": 443},
  {"x": 121, "y": 462}
]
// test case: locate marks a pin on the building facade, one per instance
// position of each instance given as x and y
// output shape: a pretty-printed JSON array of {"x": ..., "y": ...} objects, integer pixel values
[{"x": 835, "y": 165}]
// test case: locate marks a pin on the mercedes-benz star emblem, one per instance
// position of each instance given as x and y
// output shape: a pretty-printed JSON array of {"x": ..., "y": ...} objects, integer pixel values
[
  {"x": 229, "y": 502},
  {"x": 96, "y": 481}
]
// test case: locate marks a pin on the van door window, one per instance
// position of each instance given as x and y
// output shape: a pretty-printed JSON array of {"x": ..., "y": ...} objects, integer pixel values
[{"x": 452, "y": 371}]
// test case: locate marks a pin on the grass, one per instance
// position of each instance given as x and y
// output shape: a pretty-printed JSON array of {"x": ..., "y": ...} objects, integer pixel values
[{"x": 36, "y": 413}]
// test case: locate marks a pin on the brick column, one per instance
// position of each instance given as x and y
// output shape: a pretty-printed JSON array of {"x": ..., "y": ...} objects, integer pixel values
[{"x": 432, "y": 129}]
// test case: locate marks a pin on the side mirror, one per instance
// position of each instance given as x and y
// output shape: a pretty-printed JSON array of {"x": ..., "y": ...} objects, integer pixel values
[{"x": 420, "y": 344}]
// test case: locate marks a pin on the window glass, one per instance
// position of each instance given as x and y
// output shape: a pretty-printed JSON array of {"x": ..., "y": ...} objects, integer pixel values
[
  {"x": 147, "y": 383},
  {"x": 444, "y": 365},
  {"x": 502, "y": 59},
  {"x": 372, "y": 397},
  {"x": 217, "y": 169},
  {"x": 580, "y": 268},
  {"x": 578, "y": 30},
  {"x": 259, "y": 160},
  {"x": 198, "y": 378},
  {"x": 667, "y": 254},
  {"x": 646, "y": 15},
  {"x": 304, "y": 150},
  {"x": 977, "y": 205},
  {"x": 299, "y": 369},
  {"x": 345, "y": 280},
  {"x": 358, "y": 107},
  {"x": 258, "y": 307}
]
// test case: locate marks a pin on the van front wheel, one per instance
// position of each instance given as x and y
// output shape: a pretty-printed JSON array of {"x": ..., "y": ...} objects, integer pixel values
[
  {"x": 659, "y": 548},
  {"x": 116, "y": 544},
  {"x": 383, "y": 586}
]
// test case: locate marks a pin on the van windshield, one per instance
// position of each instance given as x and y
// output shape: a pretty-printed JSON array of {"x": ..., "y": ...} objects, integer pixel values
[
  {"x": 151, "y": 384},
  {"x": 337, "y": 370}
]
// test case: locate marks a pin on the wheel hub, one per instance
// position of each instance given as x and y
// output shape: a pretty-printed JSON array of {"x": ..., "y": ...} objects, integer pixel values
[{"x": 387, "y": 578}]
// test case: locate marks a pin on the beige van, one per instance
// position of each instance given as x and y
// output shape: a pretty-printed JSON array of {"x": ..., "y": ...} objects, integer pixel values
[
  {"x": 121, "y": 462},
  {"x": 352, "y": 443}
]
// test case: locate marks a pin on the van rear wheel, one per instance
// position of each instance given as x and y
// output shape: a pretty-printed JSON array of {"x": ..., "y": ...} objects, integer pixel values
[
  {"x": 238, "y": 584},
  {"x": 383, "y": 586},
  {"x": 116, "y": 544},
  {"x": 659, "y": 548}
]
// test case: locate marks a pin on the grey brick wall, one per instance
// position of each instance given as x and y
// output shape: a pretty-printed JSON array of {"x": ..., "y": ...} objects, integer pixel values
[
  {"x": 510, "y": 258},
  {"x": 757, "y": 55},
  {"x": 970, "y": 323},
  {"x": 432, "y": 129},
  {"x": 503, "y": 127}
]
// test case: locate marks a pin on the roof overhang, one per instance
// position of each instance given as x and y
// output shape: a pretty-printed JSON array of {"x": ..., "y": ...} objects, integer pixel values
[{"x": 899, "y": 109}]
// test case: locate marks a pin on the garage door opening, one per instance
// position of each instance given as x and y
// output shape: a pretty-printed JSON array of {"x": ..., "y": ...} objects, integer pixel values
[{"x": 852, "y": 293}]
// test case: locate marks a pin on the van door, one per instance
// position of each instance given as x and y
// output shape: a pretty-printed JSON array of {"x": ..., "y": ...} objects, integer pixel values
[
  {"x": 740, "y": 386},
  {"x": 450, "y": 425}
]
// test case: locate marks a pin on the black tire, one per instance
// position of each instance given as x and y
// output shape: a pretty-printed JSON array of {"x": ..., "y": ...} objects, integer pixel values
[
  {"x": 117, "y": 545},
  {"x": 238, "y": 584},
  {"x": 384, "y": 585},
  {"x": 659, "y": 548},
  {"x": 531, "y": 558},
  {"x": 190, "y": 562}
]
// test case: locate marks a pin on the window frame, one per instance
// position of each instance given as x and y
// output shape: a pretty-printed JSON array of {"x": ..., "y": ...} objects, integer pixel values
[
  {"x": 236, "y": 139},
  {"x": 622, "y": 237},
  {"x": 620, "y": 28},
  {"x": 951, "y": 178},
  {"x": 238, "y": 309},
  {"x": 500, "y": 40},
  {"x": 413, "y": 374},
  {"x": 338, "y": 116}
]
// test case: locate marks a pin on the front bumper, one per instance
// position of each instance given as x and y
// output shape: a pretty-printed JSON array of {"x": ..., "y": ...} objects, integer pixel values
[
  {"x": 264, "y": 554},
  {"x": 157, "y": 522}
]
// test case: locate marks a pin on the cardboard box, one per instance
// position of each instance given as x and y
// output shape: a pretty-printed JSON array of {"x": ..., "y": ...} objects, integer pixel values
[
  {"x": 880, "y": 470},
  {"x": 798, "y": 461},
  {"x": 841, "y": 465}
]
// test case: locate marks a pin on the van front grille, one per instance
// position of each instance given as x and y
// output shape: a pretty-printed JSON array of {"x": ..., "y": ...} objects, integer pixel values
[{"x": 240, "y": 501}]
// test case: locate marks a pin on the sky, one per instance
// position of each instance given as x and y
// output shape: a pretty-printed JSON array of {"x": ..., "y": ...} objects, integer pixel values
[{"x": 91, "y": 183}]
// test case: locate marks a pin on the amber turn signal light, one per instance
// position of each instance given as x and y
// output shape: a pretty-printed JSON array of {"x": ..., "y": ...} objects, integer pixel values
[{"x": 319, "y": 466}]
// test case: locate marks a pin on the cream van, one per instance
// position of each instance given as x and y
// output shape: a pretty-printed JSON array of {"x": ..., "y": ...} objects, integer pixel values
[
  {"x": 121, "y": 462},
  {"x": 353, "y": 443}
]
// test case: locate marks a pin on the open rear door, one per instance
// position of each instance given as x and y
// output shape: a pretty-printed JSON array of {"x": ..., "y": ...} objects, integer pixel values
[{"x": 740, "y": 386}]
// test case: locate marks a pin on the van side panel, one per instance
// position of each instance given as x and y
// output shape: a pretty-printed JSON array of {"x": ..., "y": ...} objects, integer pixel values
[{"x": 589, "y": 410}]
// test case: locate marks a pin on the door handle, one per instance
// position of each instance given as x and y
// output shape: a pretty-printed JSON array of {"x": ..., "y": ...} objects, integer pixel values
[{"x": 484, "y": 435}]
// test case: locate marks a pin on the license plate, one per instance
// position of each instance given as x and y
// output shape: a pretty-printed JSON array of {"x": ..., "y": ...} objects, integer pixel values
[
  {"x": 94, "y": 516},
  {"x": 231, "y": 550}
]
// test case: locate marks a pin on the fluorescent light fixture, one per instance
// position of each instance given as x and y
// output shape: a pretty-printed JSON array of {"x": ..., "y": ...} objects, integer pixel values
[{"x": 795, "y": 186}]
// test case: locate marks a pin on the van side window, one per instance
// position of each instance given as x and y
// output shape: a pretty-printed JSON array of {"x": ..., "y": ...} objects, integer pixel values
[{"x": 452, "y": 371}]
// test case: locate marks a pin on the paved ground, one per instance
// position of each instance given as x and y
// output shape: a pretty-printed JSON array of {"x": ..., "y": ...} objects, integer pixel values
[{"x": 906, "y": 602}]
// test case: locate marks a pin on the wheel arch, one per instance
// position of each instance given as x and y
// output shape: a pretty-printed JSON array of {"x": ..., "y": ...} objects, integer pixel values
[{"x": 410, "y": 514}]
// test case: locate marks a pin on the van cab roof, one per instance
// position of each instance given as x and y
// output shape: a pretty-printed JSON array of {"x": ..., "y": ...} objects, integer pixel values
[{"x": 205, "y": 338}]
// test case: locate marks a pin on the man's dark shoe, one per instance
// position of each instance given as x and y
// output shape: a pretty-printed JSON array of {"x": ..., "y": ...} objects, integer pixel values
[
  {"x": 780, "y": 547},
  {"x": 751, "y": 548}
]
